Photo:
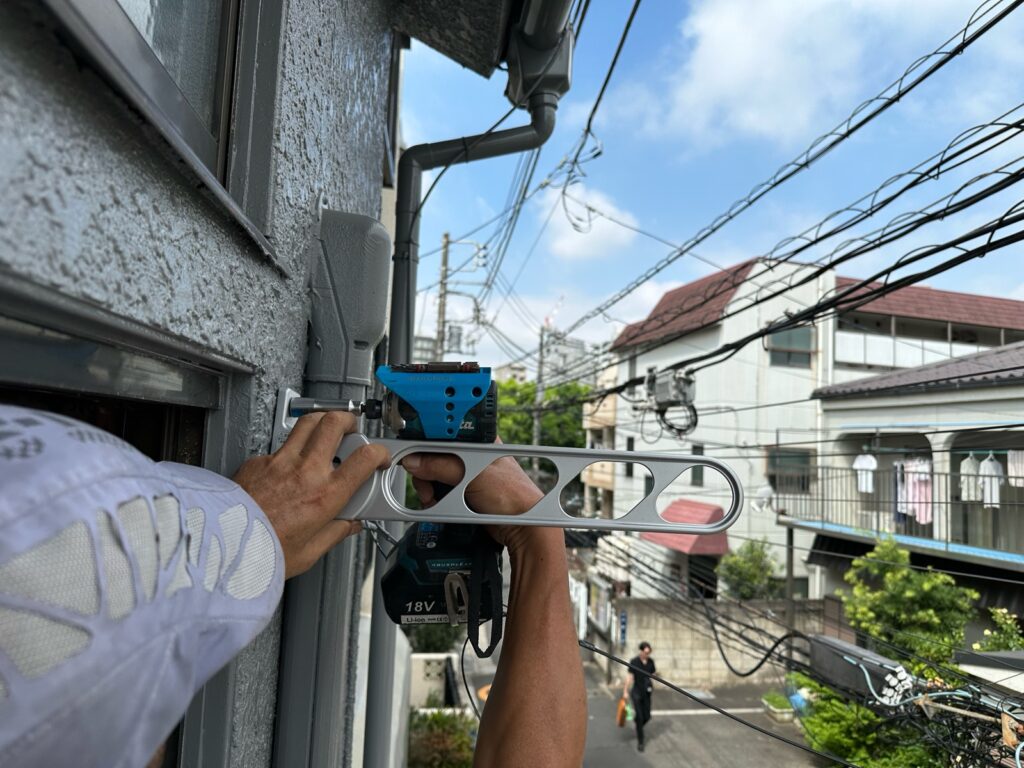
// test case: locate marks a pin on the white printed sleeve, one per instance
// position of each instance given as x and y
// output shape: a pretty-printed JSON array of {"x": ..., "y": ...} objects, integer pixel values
[{"x": 124, "y": 586}]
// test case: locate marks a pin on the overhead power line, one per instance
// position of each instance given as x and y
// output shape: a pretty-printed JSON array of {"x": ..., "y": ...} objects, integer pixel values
[
  {"x": 983, "y": 19},
  {"x": 966, "y": 147}
]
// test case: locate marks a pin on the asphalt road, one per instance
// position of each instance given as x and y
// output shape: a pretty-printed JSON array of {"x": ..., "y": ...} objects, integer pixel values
[{"x": 684, "y": 733}]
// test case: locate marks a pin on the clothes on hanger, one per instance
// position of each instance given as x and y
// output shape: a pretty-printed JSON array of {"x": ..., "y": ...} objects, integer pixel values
[
  {"x": 991, "y": 476},
  {"x": 970, "y": 483},
  {"x": 899, "y": 493},
  {"x": 865, "y": 465},
  {"x": 918, "y": 481},
  {"x": 1015, "y": 467}
]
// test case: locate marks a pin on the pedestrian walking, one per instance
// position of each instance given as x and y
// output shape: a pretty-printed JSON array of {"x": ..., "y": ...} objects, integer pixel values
[{"x": 639, "y": 688}]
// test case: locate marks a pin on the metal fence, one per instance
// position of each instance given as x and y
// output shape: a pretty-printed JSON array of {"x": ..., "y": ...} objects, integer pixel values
[{"x": 987, "y": 513}]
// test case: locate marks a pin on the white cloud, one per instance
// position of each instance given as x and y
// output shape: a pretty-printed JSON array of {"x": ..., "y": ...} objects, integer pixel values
[
  {"x": 780, "y": 70},
  {"x": 576, "y": 233}
]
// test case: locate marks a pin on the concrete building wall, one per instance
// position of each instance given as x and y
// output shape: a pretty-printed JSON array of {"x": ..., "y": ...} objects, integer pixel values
[
  {"x": 95, "y": 205},
  {"x": 735, "y": 430}
]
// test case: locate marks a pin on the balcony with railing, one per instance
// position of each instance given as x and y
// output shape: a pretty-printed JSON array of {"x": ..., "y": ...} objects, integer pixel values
[{"x": 962, "y": 515}]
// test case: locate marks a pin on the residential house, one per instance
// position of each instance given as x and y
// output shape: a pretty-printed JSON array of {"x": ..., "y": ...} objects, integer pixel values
[
  {"x": 945, "y": 475},
  {"x": 755, "y": 408}
]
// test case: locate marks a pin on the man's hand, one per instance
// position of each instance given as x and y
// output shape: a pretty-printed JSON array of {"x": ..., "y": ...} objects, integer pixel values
[
  {"x": 501, "y": 489},
  {"x": 300, "y": 490}
]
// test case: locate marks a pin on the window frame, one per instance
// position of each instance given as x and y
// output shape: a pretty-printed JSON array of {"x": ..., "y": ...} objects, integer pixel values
[
  {"x": 798, "y": 483},
  {"x": 784, "y": 356},
  {"x": 235, "y": 165},
  {"x": 205, "y": 733}
]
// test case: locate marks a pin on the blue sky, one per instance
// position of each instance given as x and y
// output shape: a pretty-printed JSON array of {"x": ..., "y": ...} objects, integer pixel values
[{"x": 709, "y": 98}]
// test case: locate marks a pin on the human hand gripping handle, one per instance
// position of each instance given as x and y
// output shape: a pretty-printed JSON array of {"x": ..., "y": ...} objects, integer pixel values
[
  {"x": 536, "y": 712},
  {"x": 301, "y": 491}
]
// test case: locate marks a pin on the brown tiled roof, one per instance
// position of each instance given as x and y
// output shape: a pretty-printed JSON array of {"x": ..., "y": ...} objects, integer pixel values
[
  {"x": 933, "y": 304},
  {"x": 687, "y": 308},
  {"x": 1002, "y": 365}
]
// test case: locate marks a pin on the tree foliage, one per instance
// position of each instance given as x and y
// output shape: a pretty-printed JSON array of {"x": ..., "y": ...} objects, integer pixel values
[
  {"x": 558, "y": 427},
  {"x": 748, "y": 573},
  {"x": 442, "y": 739},
  {"x": 921, "y": 612},
  {"x": 855, "y": 733},
  {"x": 1006, "y": 636},
  {"x": 433, "y": 638}
]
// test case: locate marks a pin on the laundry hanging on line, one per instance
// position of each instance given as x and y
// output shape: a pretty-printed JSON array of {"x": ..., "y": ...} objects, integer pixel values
[
  {"x": 865, "y": 465},
  {"x": 1015, "y": 467},
  {"x": 991, "y": 476},
  {"x": 912, "y": 491},
  {"x": 970, "y": 483}
]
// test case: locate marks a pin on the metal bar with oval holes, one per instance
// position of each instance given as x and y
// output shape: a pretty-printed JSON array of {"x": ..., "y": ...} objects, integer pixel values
[{"x": 377, "y": 499}]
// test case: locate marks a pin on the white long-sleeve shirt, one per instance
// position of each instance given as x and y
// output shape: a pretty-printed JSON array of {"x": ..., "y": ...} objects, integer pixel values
[{"x": 991, "y": 475}]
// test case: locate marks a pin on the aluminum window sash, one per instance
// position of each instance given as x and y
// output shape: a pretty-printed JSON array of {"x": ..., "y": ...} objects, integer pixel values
[
  {"x": 106, "y": 32},
  {"x": 122, "y": 54}
]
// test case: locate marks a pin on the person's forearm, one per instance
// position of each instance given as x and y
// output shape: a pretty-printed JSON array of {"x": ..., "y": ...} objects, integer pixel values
[{"x": 536, "y": 713}]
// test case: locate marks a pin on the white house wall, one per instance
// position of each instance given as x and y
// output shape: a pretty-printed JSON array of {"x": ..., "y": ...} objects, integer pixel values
[{"x": 745, "y": 380}]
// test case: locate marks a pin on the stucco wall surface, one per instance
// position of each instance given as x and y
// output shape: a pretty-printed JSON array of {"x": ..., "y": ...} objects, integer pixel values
[{"x": 92, "y": 203}]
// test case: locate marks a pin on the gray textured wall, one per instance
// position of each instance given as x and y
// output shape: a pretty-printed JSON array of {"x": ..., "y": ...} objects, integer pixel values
[{"x": 93, "y": 204}]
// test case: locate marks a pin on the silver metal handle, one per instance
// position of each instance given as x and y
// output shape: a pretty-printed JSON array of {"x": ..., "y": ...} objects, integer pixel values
[{"x": 380, "y": 498}]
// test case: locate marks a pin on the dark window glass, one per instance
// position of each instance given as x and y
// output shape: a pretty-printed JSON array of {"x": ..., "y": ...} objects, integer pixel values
[
  {"x": 697, "y": 471},
  {"x": 648, "y": 484},
  {"x": 790, "y": 471},
  {"x": 791, "y": 348}
]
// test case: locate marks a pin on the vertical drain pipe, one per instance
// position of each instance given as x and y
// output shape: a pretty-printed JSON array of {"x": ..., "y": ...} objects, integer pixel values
[{"x": 425, "y": 157}]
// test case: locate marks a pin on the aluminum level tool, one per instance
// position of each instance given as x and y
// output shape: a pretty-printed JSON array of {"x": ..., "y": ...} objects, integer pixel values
[{"x": 437, "y": 406}]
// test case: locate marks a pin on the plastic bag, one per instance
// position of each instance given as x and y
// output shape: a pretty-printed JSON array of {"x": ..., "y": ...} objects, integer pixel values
[
  {"x": 629, "y": 712},
  {"x": 620, "y": 712}
]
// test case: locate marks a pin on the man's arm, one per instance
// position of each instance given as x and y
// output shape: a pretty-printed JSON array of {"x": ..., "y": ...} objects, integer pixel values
[
  {"x": 536, "y": 713},
  {"x": 630, "y": 680}
]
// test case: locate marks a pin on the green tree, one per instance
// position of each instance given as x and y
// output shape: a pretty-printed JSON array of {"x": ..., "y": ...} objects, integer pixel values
[
  {"x": 748, "y": 573},
  {"x": 855, "y": 733},
  {"x": 1005, "y": 637},
  {"x": 558, "y": 426},
  {"x": 442, "y": 739},
  {"x": 923, "y": 612},
  {"x": 433, "y": 638}
]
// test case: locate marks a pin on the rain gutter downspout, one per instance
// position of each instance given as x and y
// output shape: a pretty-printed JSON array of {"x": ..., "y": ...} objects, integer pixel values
[{"x": 424, "y": 157}]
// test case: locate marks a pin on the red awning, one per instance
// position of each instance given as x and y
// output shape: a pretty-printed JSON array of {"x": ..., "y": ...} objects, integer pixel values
[{"x": 686, "y": 511}]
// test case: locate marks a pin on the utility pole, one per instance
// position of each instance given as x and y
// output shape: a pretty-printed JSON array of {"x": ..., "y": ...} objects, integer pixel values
[
  {"x": 538, "y": 402},
  {"x": 790, "y": 588},
  {"x": 442, "y": 298}
]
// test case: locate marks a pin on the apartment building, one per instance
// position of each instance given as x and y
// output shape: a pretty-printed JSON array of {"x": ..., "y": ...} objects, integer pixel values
[
  {"x": 755, "y": 409},
  {"x": 933, "y": 456}
]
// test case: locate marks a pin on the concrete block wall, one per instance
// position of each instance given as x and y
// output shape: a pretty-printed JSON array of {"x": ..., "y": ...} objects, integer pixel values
[{"x": 683, "y": 647}]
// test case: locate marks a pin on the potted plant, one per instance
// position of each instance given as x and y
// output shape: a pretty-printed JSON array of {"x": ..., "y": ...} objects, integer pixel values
[{"x": 777, "y": 706}]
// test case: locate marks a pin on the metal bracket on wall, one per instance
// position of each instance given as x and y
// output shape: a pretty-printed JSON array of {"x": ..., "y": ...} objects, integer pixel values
[{"x": 376, "y": 500}]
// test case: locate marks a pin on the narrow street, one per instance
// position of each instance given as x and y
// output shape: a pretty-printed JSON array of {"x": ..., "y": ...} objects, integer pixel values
[{"x": 683, "y": 733}]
